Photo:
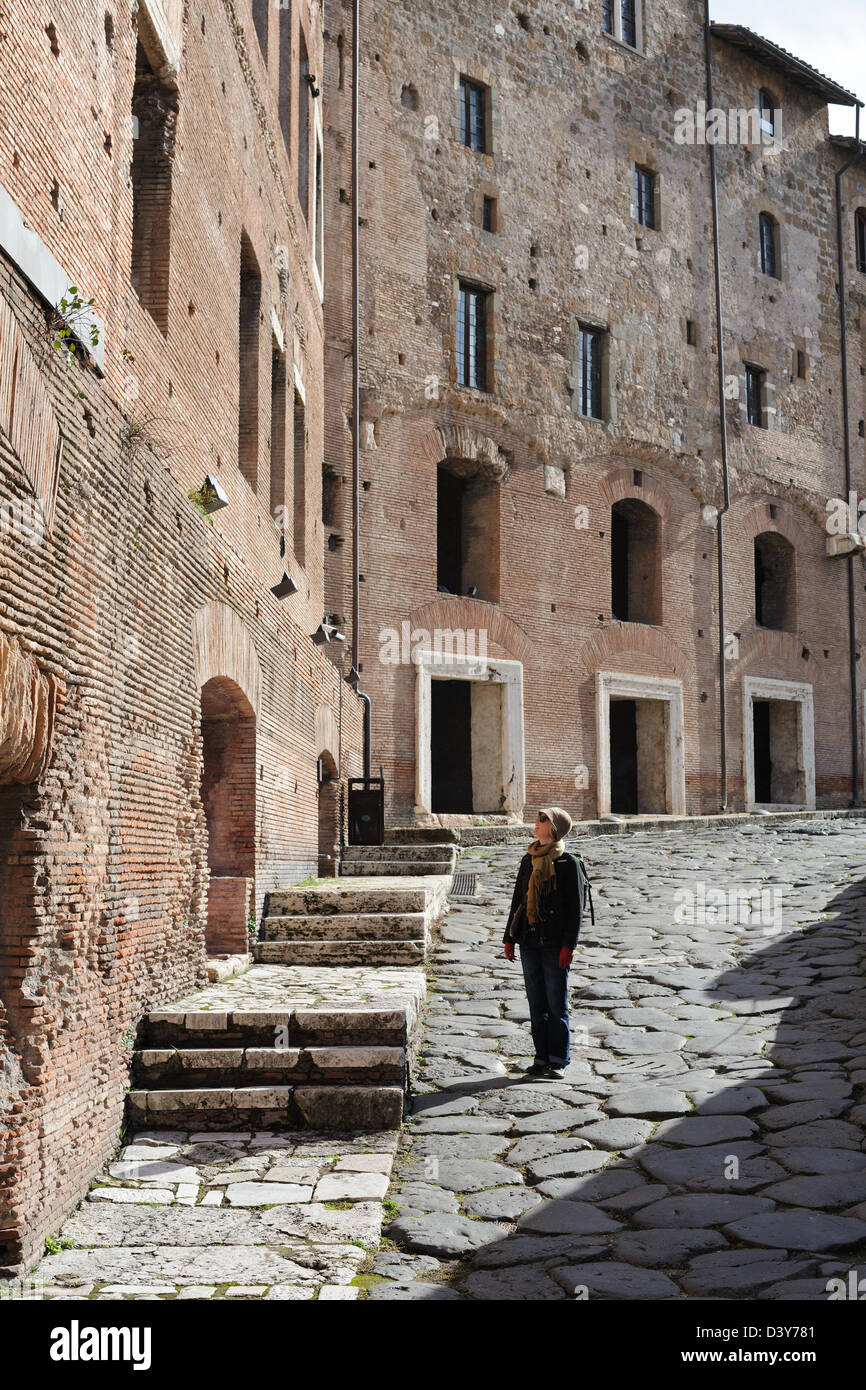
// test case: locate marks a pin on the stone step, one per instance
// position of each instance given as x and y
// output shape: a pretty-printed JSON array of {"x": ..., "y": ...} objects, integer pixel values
[
  {"x": 326, "y": 1108},
  {"x": 286, "y": 1027},
  {"x": 424, "y": 853},
  {"x": 170, "y": 1068},
  {"x": 419, "y": 835},
  {"x": 364, "y": 868},
  {"x": 389, "y": 952},
  {"x": 344, "y": 899},
  {"x": 346, "y": 926}
]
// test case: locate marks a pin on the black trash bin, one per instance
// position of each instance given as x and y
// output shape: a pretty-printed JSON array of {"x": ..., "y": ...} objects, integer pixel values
[{"x": 366, "y": 810}]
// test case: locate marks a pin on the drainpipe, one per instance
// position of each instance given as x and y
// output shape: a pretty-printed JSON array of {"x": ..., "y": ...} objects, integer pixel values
[
  {"x": 846, "y": 427},
  {"x": 354, "y": 674},
  {"x": 723, "y": 426}
]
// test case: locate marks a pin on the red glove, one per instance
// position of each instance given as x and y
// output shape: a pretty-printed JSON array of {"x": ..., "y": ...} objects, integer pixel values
[
  {"x": 566, "y": 955},
  {"x": 509, "y": 950}
]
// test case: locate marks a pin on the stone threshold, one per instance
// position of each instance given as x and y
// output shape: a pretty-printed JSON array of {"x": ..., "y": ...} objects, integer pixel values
[{"x": 495, "y": 834}]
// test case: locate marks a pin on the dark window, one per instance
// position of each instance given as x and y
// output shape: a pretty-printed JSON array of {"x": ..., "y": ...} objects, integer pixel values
[
  {"x": 319, "y": 249},
  {"x": 755, "y": 382},
  {"x": 488, "y": 215},
  {"x": 768, "y": 245},
  {"x": 300, "y": 478},
  {"x": 154, "y": 110},
  {"x": 449, "y": 531},
  {"x": 645, "y": 195},
  {"x": 285, "y": 73},
  {"x": 473, "y": 115},
  {"x": 279, "y": 405},
  {"x": 635, "y": 563},
  {"x": 629, "y": 27},
  {"x": 767, "y": 104},
  {"x": 775, "y": 582},
  {"x": 260, "y": 20},
  {"x": 801, "y": 364},
  {"x": 860, "y": 237},
  {"x": 330, "y": 497},
  {"x": 304, "y": 130},
  {"x": 691, "y": 332},
  {"x": 589, "y": 372},
  {"x": 248, "y": 362},
  {"x": 607, "y": 15},
  {"x": 472, "y": 337}
]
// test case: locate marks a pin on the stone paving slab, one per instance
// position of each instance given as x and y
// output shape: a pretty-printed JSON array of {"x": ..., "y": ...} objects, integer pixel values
[{"x": 717, "y": 1083}]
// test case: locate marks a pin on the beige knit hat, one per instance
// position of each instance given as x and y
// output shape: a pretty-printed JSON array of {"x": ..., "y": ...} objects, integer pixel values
[{"x": 560, "y": 820}]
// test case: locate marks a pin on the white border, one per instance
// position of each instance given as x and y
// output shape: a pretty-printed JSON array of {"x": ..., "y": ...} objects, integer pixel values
[
  {"x": 801, "y": 693},
  {"x": 453, "y": 667},
  {"x": 642, "y": 688}
]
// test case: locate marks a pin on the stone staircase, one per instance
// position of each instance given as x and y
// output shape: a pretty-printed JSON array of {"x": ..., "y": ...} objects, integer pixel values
[
  {"x": 321, "y": 1069},
  {"x": 393, "y": 859},
  {"x": 347, "y": 925}
]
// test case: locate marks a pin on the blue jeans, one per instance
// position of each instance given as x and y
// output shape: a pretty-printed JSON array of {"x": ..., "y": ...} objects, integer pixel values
[{"x": 547, "y": 994}]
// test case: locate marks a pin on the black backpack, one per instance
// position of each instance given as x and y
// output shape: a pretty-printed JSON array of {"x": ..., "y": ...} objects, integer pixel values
[{"x": 585, "y": 888}]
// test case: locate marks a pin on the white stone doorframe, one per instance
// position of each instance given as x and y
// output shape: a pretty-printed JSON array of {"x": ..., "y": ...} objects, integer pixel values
[
  {"x": 610, "y": 683},
  {"x": 448, "y": 666},
  {"x": 757, "y": 688}
]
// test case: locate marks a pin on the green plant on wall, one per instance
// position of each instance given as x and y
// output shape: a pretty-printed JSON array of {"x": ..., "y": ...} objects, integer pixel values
[
  {"x": 71, "y": 319},
  {"x": 200, "y": 497}
]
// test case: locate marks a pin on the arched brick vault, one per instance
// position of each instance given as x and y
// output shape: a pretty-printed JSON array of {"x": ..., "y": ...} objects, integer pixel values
[
  {"x": 498, "y": 448},
  {"x": 475, "y": 615},
  {"x": 222, "y": 646},
  {"x": 597, "y": 651},
  {"x": 618, "y": 483},
  {"x": 751, "y": 517},
  {"x": 763, "y": 644},
  {"x": 327, "y": 733}
]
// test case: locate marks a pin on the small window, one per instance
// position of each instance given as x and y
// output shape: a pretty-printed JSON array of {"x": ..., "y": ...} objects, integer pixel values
[
  {"x": 769, "y": 248},
  {"x": 629, "y": 22},
  {"x": 860, "y": 238},
  {"x": 472, "y": 337},
  {"x": 473, "y": 115},
  {"x": 802, "y": 365},
  {"x": 488, "y": 214},
  {"x": 409, "y": 97},
  {"x": 767, "y": 107},
  {"x": 622, "y": 20},
  {"x": 691, "y": 333},
  {"x": 260, "y": 22},
  {"x": 589, "y": 400},
  {"x": 645, "y": 196},
  {"x": 756, "y": 379}
]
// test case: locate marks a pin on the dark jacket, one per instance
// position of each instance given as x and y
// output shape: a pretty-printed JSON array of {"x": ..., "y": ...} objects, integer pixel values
[{"x": 562, "y": 908}]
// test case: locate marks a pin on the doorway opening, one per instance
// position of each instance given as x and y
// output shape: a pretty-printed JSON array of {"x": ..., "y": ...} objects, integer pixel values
[
  {"x": 638, "y": 756},
  {"x": 466, "y": 746},
  {"x": 779, "y": 772},
  {"x": 228, "y": 793},
  {"x": 329, "y": 816}
]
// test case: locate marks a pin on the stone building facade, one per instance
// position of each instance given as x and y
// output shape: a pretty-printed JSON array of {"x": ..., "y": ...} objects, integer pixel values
[
  {"x": 174, "y": 741},
  {"x": 541, "y": 437}
]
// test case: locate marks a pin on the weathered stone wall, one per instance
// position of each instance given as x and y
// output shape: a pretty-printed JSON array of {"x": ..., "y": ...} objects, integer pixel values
[
  {"x": 573, "y": 112},
  {"x": 132, "y": 600}
]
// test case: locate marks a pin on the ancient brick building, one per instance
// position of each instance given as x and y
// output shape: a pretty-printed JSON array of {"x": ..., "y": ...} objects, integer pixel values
[
  {"x": 167, "y": 716},
  {"x": 541, "y": 433}
]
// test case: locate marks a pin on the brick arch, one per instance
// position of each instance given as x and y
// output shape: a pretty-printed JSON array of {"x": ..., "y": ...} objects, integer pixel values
[
  {"x": 770, "y": 644},
  {"x": 753, "y": 519},
  {"x": 222, "y": 646},
  {"x": 462, "y": 442},
  {"x": 475, "y": 614},
  {"x": 618, "y": 484},
  {"x": 597, "y": 651},
  {"x": 327, "y": 733}
]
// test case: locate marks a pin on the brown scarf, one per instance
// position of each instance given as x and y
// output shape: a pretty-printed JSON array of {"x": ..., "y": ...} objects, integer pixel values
[{"x": 542, "y": 876}]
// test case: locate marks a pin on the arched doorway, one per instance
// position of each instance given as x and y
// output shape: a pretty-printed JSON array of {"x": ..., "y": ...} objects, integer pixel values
[
  {"x": 228, "y": 793},
  {"x": 329, "y": 816}
]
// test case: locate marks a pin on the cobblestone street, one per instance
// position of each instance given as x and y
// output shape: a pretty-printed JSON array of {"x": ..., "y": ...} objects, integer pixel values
[{"x": 708, "y": 1141}]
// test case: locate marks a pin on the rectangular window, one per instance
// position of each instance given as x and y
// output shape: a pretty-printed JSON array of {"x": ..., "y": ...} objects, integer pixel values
[
  {"x": 767, "y": 108},
  {"x": 589, "y": 372},
  {"x": 629, "y": 23},
  {"x": 304, "y": 131},
  {"x": 768, "y": 245},
  {"x": 285, "y": 73},
  {"x": 248, "y": 363},
  {"x": 279, "y": 405},
  {"x": 473, "y": 115},
  {"x": 607, "y": 15},
  {"x": 645, "y": 196},
  {"x": 756, "y": 379},
  {"x": 472, "y": 337},
  {"x": 488, "y": 215},
  {"x": 154, "y": 113},
  {"x": 260, "y": 21},
  {"x": 300, "y": 478},
  {"x": 318, "y": 214},
  {"x": 691, "y": 333},
  {"x": 801, "y": 364},
  {"x": 860, "y": 227}
]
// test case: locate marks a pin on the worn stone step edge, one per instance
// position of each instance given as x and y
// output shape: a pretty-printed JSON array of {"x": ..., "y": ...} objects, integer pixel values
[
  {"x": 318, "y": 902},
  {"x": 304, "y": 1027},
  {"x": 446, "y": 853},
  {"x": 339, "y": 953},
  {"x": 327, "y": 1108},
  {"x": 168, "y": 1068},
  {"x": 418, "y": 835},
  {"x": 388, "y": 868},
  {"x": 346, "y": 926}
]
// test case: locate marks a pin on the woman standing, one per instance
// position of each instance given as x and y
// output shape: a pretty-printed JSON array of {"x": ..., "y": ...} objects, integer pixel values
[{"x": 545, "y": 920}]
